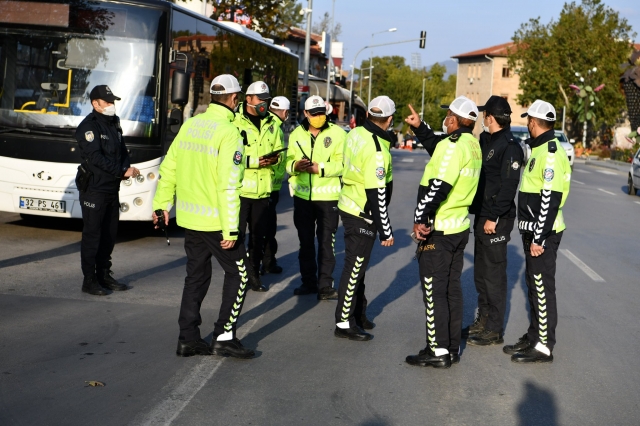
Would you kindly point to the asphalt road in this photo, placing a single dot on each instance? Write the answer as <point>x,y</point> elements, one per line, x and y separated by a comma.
<point>53,338</point>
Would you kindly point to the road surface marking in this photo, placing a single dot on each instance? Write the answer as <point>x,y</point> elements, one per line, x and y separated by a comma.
<point>577,181</point>
<point>580,264</point>
<point>606,192</point>
<point>608,172</point>
<point>165,412</point>
<point>637,202</point>
<point>407,160</point>
<point>581,171</point>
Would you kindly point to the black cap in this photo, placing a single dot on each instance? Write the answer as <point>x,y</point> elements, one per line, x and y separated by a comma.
<point>103,92</point>
<point>496,106</point>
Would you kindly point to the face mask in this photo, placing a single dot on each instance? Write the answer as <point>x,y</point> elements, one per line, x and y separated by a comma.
<point>444,126</point>
<point>390,125</point>
<point>318,121</point>
<point>261,108</point>
<point>485,128</point>
<point>110,110</point>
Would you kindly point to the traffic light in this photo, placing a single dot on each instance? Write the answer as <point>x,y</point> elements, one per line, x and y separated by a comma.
<point>423,39</point>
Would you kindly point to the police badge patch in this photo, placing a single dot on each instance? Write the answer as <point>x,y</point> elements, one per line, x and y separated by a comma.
<point>327,142</point>
<point>88,136</point>
<point>380,173</point>
<point>237,158</point>
<point>548,175</point>
<point>532,163</point>
<point>490,155</point>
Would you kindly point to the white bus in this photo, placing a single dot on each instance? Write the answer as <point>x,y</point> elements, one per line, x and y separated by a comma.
<point>158,57</point>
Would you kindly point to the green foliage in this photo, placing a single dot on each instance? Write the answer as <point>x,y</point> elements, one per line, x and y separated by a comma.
<point>585,36</point>
<point>392,77</point>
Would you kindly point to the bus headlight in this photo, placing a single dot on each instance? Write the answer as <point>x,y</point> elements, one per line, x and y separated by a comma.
<point>124,207</point>
<point>151,176</point>
<point>127,182</point>
<point>140,178</point>
<point>137,201</point>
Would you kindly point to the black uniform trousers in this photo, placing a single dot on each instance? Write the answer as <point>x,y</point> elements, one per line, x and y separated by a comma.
<point>441,258</point>
<point>540,275</point>
<point>270,242</point>
<point>316,219</point>
<point>255,214</point>
<point>199,247</point>
<point>100,214</point>
<point>490,270</point>
<point>359,238</point>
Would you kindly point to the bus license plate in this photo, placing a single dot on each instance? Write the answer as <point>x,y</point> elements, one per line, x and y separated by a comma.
<point>43,205</point>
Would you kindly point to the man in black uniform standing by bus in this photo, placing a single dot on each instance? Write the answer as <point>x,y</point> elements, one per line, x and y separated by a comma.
<point>105,163</point>
<point>495,212</point>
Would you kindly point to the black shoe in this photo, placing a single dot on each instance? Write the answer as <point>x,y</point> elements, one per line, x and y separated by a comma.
<point>523,344</point>
<point>254,281</point>
<point>270,268</point>
<point>426,358</point>
<point>327,293</point>
<point>531,355</point>
<point>92,286</point>
<point>194,347</point>
<point>455,358</point>
<point>364,323</point>
<point>477,327</point>
<point>486,338</point>
<point>353,333</point>
<point>231,348</point>
<point>305,289</point>
<point>106,280</point>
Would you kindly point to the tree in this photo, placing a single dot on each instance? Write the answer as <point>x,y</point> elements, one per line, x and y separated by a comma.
<point>324,25</point>
<point>394,78</point>
<point>269,17</point>
<point>585,36</point>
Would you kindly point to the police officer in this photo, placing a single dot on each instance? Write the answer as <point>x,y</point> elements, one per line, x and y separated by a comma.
<point>279,108</point>
<point>203,170</point>
<point>546,179</point>
<point>259,132</point>
<point>365,196</point>
<point>105,163</point>
<point>441,224</point>
<point>314,162</point>
<point>495,211</point>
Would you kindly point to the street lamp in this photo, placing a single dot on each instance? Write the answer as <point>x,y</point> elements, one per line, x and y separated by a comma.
<point>330,57</point>
<point>390,30</point>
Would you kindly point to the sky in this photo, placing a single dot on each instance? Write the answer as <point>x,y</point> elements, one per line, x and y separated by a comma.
<point>453,27</point>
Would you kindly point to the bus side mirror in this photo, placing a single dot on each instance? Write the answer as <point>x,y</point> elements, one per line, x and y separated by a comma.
<point>175,120</point>
<point>179,87</point>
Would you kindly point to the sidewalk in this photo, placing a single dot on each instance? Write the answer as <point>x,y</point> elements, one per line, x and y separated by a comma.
<point>608,164</point>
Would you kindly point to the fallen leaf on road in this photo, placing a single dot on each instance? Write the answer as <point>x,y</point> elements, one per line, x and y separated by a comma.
<point>94,383</point>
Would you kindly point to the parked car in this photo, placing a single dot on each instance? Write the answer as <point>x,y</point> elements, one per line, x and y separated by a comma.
<point>634,175</point>
<point>522,133</point>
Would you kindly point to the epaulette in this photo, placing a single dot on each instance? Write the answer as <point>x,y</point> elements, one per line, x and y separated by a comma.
<point>454,137</point>
<point>552,146</point>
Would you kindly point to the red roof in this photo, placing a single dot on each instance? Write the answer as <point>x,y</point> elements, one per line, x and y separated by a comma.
<point>499,50</point>
<point>636,46</point>
<point>300,33</point>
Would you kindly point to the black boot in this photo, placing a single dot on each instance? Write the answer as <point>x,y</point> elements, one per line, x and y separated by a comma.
<point>455,358</point>
<point>365,323</point>
<point>486,338</point>
<point>270,266</point>
<point>91,285</point>
<point>531,355</point>
<point>522,344</point>
<point>327,293</point>
<point>194,347</point>
<point>305,289</point>
<point>353,333</point>
<point>477,326</point>
<point>106,280</point>
<point>232,348</point>
<point>254,280</point>
<point>426,358</point>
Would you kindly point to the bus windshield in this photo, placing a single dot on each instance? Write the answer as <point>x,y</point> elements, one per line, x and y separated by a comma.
<point>51,59</point>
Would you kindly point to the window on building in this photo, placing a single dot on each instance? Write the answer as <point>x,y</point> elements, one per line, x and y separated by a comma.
<point>506,72</point>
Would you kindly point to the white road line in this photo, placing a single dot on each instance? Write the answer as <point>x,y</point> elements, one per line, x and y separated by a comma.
<point>580,264</point>
<point>607,172</point>
<point>181,395</point>
<point>407,160</point>
<point>577,181</point>
<point>637,202</point>
<point>606,192</point>
<point>581,171</point>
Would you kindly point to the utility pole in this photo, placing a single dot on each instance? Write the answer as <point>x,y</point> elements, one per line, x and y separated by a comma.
<point>330,61</point>
<point>307,44</point>
<point>390,30</point>
<point>422,108</point>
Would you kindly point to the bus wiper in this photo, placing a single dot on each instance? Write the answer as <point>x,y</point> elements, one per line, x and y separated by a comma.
<point>8,129</point>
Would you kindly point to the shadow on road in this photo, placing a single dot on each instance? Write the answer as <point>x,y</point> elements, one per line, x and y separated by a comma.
<point>538,407</point>
<point>625,190</point>
<point>43,255</point>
